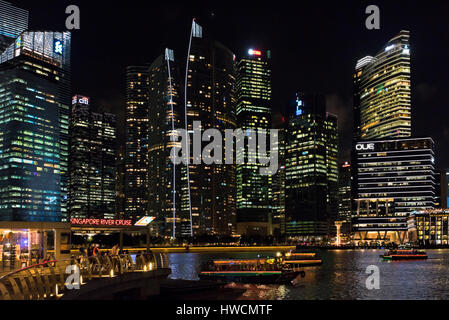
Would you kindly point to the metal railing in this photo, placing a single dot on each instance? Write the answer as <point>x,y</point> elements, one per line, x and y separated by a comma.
<point>47,280</point>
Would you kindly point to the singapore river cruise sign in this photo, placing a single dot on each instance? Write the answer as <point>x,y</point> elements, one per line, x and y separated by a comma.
<point>100,222</point>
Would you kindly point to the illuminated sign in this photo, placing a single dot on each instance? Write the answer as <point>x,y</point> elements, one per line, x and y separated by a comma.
<point>299,104</point>
<point>364,146</point>
<point>144,221</point>
<point>406,50</point>
<point>83,100</point>
<point>58,47</point>
<point>254,52</point>
<point>80,100</point>
<point>100,222</point>
<point>389,47</point>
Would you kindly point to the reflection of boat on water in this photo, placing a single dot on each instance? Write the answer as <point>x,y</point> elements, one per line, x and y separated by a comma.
<point>260,271</point>
<point>404,254</point>
<point>302,259</point>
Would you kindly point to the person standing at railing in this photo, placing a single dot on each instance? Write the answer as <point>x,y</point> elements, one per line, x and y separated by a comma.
<point>83,254</point>
<point>115,250</point>
<point>96,250</point>
<point>90,250</point>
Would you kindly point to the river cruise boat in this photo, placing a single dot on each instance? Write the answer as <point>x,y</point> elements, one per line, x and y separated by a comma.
<point>404,254</point>
<point>258,271</point>
<point>302,259</point>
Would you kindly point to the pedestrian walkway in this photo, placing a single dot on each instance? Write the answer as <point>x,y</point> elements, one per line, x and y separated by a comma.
<point>48,280</point>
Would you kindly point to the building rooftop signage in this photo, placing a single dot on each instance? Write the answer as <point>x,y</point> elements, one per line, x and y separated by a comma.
<point>144,221</point>
<point>253,52</point>
<point>100,222</point>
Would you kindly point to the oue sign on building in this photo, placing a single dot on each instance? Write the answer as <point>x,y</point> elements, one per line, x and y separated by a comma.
<point>364,146</point>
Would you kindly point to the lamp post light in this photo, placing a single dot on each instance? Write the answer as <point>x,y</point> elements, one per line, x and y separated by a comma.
<point>338,225</point>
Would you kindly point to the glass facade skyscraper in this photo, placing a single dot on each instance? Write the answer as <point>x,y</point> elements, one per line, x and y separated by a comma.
<point>392,179</point>
<point>393,173</point>
<point>34,123</point>
<point>136,143</point>
<point>165,117</point>
<point>13,21</point>
<point>277,183</point>
<point>209,190</point>
<point>344,192</point>
<point>382,97</point>
<point>91,162</point>
<point>253,94</point>
<point>311,172</point>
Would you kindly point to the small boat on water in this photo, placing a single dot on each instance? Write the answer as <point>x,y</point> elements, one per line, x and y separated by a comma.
<point>404,254</point>
<point>302,259</point>
<point>259,271</point>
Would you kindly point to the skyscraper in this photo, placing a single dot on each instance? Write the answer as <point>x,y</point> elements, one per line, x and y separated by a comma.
<point>165,115</point>
<point>277,184</point>
<point>392,178</point>
<point>209,190</point>
<point>253,109</point>
<point>34,123</point>
<point>382,99</point>
<point>120,183</point>
<point>136,144</point>
<point>344,192</point>
<point>91,161</point>
<point>311,171</point>
<point>13,21</point>
<point>440,189</point>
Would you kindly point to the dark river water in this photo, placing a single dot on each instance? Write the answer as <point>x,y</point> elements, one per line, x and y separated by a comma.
<point>341,276</point>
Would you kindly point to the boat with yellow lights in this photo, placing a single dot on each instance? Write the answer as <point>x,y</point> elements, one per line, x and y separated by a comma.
<point>302,259</point>
<point>260,271</point>
<point>404,254</point>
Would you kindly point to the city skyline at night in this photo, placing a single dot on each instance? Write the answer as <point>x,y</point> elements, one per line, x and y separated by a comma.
<point>296,64</point>
<point>240,93</point>
<point>226,151</point>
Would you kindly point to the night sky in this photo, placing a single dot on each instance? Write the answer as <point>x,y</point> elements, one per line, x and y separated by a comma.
<point>315,46</point>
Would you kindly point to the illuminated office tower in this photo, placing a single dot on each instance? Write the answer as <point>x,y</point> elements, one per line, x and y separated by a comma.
<point>278,179</point>
<point>165,115</point>
<point>311,172</point>
<point>13,21</point>
<point>447,187</point>
<point>344,192</point>
<point>440,189</point>
<point>382,99</point>
<point>120,183</point>
<point>91,162</point>
<point>209,190</point>
<point>136,143</point>
<point>34,123</point>
<point>392,178</point>
<point>253,109</point>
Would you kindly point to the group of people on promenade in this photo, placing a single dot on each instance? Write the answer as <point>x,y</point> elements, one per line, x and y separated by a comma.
<point>94,251</point>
